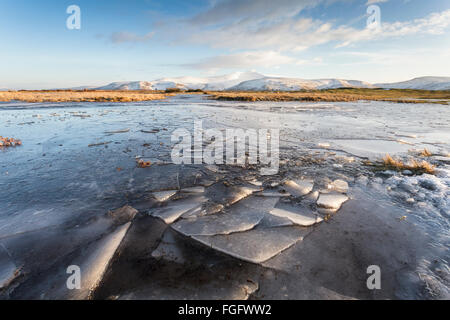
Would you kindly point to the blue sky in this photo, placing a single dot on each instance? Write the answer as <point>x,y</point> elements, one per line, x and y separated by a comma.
<point>148,39</point>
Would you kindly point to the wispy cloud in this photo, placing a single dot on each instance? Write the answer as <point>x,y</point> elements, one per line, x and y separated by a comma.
<point>369,2</point>
<point>266,33</point>
<point>294,34</point>
<point>124,36</point>
<point>226,11</point>
<point>243,60</point>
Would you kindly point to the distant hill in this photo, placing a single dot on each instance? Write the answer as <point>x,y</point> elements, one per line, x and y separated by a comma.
<point>422,83</point>
<point>216,83</point>
<point>293,84</point>
<point>252,81</point>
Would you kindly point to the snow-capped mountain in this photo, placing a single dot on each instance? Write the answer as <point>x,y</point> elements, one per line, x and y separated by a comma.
<point>252,81</point>
<point>292,84</point>
<point>132,85</point>
<point>422,83</point>
<point>216,83</point>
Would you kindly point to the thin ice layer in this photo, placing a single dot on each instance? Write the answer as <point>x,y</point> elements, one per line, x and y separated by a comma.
<point>257,245</point>
<point>299,188</point>
<point>172,212</point>
<point>301,216</point>
<point>243,216</point>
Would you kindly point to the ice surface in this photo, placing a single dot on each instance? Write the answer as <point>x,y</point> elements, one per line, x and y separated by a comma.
<point>331,201</point>
<point>339,186</point>
<point>7,268</point>
<point>272,193</point>
<point>375,148</point>
<point>95,264</point>
<point>55,178</point>
<point>301,216</point>
<point>168,249</point>
<point>299,188</point>
<point>162,196</point>
<point>123,215</point>
<point>193,190</point>
<point>271,221</point>
<point>235,194</point>
<point>176,209</point>
<point>244,215</point>
<point>257,245</point>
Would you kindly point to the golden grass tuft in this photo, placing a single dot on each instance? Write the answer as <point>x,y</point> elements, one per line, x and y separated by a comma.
<point>9,142</point>
<point>426,153</point>
<point>417,167</point>
<point>143,164</point>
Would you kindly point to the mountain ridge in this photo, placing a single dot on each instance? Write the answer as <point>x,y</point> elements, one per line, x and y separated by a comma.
<point>252,81</point>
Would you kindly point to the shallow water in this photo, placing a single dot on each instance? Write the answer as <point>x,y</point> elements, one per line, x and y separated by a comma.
<point>78,160</point>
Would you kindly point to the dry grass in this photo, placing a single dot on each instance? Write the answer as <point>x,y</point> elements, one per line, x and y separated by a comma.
<point>9,142</point>
<point>339,95</point>
<point>417,167</point>
<point>143,164</point>
<point>426,153</point>
<point>81,96</point>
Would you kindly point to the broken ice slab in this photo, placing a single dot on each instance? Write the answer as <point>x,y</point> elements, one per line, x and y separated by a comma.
<point>301,216</point>
<point>243,216</point>
<point>118,131</point>
<point>8,270</point>
<point>208,208</point>
<point>236,194</point>
<point>272,193</point>
<point>299,188</point>
<point>332,201</point>
<point>325,145</point>
<point>176,209</point>
<point>123,215</point>
<point>212,208</point>
<point>256,183</point>
<point>257,245</point>
<point>162,196</point>
<point>339,186</point>
<point>98,259</point>
<point>206,182</point>
<point>271,221</point>
<point>198,189</point>
<point>215,169</point>
<point>168,249</point>
<point>312,196</point>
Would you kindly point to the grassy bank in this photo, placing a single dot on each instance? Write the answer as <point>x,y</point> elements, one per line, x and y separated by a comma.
<point>81,96</point>
<point>339,95</point>
<point>331,95</point>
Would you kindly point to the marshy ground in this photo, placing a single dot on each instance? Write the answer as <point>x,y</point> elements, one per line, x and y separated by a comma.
<point>329,95</point>
<point>340,95</point>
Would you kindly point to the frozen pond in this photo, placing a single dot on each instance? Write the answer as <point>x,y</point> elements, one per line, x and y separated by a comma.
<point>78,161</point>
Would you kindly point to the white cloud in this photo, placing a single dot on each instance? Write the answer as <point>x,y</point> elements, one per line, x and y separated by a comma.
<point>243,60</point>
<point>369,2</point>
<point>268,33</point>
<point>123,36</point>
<point>252,10</point>
<point>295,34</point>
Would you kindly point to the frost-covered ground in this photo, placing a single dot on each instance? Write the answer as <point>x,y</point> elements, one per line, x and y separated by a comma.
<point>222,231</point>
